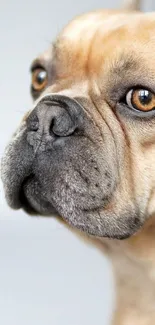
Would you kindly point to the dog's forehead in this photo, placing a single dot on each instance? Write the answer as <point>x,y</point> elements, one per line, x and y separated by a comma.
<point>103,26</point>
<point>97,37</point>
<point>87,23</point>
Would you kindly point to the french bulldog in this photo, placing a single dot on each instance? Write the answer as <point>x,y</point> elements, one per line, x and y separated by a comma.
<point>85,152</point>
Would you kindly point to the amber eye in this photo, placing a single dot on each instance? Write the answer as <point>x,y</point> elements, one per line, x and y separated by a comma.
<point>39,79</point>
<point>141,99</point>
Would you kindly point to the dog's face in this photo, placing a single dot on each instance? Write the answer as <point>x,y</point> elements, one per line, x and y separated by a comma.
<point>86,151</point>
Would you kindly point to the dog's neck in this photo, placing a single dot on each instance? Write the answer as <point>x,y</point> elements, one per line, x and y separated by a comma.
<point>134,268</point>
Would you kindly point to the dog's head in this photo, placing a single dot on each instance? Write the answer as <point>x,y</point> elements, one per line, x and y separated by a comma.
<point>86,150</point>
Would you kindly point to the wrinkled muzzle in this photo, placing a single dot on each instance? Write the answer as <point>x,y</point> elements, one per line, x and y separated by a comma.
<point>59,163</point>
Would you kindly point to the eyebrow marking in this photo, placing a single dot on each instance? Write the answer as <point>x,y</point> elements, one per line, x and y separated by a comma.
<point>37,63</point>
<point>44,60</point>
<point>124,64</point>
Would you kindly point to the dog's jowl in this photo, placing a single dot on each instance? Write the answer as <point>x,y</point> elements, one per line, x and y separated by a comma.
<point>85,152</point>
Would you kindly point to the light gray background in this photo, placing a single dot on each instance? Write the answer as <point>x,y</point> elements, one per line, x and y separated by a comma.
<point>47,275</point>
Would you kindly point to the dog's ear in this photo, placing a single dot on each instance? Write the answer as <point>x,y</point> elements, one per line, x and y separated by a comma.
<point>132,4</point>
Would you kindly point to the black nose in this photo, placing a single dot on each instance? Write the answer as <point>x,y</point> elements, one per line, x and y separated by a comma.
<point>55,115</point>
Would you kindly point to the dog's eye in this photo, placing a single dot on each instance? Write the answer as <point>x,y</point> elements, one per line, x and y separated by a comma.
<point>39,79</point>
<point>140,99</point>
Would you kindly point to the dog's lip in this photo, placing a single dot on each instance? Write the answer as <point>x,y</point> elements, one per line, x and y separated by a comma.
<point>24,202</point>
<point>30,204</point>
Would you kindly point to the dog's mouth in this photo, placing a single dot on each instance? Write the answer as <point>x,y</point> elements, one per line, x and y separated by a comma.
<point>83,204</point>
<point>31,199</point>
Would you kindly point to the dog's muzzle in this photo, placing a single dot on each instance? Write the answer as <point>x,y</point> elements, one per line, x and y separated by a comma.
<point>59,162</point>
<point>54,160</point>
<point>54,118</point>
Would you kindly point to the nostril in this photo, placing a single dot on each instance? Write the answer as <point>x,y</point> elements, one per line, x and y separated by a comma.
<point>51,132</point>
<point>34,126</point>
<point>33,123</point>
<point>61,125</point>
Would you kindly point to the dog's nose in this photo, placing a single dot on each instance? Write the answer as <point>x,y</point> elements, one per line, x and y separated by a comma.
<point>55,115</point>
